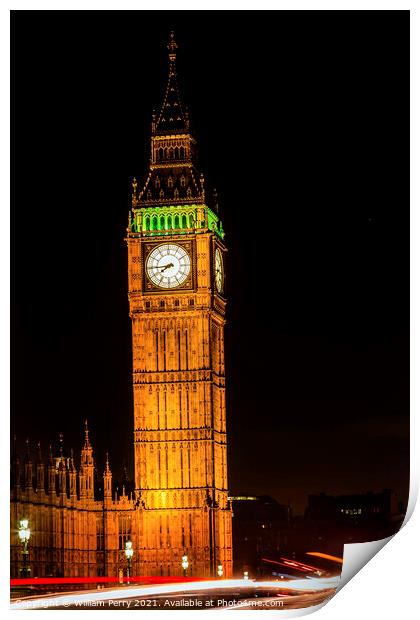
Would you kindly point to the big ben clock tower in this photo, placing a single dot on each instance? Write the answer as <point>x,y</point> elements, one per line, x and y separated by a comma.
<point>176,279</point>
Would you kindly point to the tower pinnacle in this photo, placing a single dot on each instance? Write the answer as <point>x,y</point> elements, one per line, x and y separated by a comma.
<point>87,440</point>
<point>172,47</point>
<point>172,117</point>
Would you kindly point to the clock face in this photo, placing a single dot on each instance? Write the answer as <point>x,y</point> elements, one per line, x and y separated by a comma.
<point>218,270</point>
<point>168,265</point>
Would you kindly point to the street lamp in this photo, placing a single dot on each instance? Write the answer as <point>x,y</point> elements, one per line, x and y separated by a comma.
<point>185,564</point>
<point>220,570</point>
<point>24,535</point>
<point>129,552</point>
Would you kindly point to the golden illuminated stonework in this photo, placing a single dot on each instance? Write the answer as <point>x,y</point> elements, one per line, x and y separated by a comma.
<point>177,301</point>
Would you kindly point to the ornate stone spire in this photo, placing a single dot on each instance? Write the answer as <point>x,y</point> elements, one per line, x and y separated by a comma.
<point>173,117</point>
<point>87,445</point>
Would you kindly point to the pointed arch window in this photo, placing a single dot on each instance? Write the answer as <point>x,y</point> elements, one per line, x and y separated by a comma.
<point>170,181</point>
<point>176,193</point>
<point>182,153</point>
<point>157,182</point>
<point>161,193</point>
<point>189,192</point>
<point>182,180</point>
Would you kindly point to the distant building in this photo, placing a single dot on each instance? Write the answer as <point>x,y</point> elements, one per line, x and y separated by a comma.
<point>353,509</point>
<point>259,528</point>
<point>351,518</point>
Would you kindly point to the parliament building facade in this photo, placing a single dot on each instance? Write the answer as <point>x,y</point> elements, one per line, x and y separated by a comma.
<point>176,285</point>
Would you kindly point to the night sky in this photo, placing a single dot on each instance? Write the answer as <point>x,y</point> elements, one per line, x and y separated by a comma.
<point>303,127</point>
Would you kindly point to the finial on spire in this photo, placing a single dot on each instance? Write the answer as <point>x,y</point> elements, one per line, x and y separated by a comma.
<point>134,192</point>
<point>87,442</point>
<point>61,438</point>
<point>172,47</point>
<point>107,468</point>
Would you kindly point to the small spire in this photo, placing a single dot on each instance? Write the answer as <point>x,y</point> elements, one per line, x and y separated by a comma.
<point>87,441</point>
<point>172,47</point>
<point>39,451</point>
<point>107,469</point>
<point>61,449</point>
<point>28,452</point>
<point>134,193</point>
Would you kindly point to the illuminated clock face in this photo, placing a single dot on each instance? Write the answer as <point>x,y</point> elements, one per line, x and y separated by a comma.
<point>168,265</point>
<point>218,270</point>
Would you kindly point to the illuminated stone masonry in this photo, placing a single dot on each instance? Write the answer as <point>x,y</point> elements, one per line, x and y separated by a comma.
<point>177,308</point>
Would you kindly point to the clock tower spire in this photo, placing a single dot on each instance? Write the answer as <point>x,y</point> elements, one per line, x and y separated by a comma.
<point>176,256</point>
<point>173,172</point>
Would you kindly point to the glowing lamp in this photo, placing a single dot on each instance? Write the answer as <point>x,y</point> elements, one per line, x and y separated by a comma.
<point>185,564</point>
<point>24,532</point>
<point>129,551</point>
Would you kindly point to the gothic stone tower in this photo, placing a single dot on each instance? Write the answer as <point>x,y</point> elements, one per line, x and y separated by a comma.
<point>176,259</point>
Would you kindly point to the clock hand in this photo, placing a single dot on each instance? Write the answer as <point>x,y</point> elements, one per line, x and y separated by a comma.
<point>162,269</point>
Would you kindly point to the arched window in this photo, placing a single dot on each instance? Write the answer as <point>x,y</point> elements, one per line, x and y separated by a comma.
<point>146,223</point>
<point>184,221</point>
<point>176,193</point>
<point>182,153</point>
<point>161,153</point>
<point>171,153</point>
<point>161,193</point>
<point>176,222</point>
<point>176,152</point>
<point>154,223</point>
<point>170,181</point>
<point>162,222</point>
<point>182,181</point>
<point>189,192</point>
<point>157,182</point>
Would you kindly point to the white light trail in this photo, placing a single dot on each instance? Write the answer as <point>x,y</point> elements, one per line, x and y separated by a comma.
<point>68,600</point>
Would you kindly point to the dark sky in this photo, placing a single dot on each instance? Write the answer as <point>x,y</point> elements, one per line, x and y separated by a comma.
<point>302,124</point>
